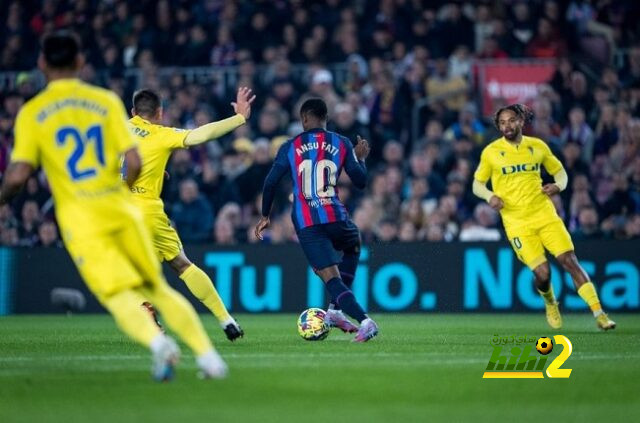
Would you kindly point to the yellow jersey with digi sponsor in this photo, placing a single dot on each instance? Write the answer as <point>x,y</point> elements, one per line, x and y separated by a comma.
<point>514,171</point>
<point>156,143</point>
<point>77,133</point>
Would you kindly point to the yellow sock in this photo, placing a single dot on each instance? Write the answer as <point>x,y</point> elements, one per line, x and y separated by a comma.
<point>133,320</point>
<point>202,287</point>
<point>179,315</point>
<point>549,297</point>
<point>588,293</point>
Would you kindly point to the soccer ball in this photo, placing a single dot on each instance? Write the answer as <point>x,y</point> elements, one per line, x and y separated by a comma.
<point>544,345</point>
<point>311,325</point>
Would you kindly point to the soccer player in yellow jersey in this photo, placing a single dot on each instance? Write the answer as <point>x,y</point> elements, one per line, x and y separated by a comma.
<point>513,163</point>
<point>157,142</point>
<point>77,133</point>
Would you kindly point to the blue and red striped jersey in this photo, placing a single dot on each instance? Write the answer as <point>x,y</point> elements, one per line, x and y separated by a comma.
<point>315,159</point>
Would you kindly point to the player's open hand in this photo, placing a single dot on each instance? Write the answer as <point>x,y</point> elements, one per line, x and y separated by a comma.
<point>496,203</point>
<point>362,148</point>
<point>263,223</point>
<point>550,189</point>
<point>242,105</point>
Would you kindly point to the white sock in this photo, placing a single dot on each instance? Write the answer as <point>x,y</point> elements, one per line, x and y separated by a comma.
<point>228,321</point>
<point>158,342</point>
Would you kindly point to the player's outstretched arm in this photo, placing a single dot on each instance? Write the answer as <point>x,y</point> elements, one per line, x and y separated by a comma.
<point>210,131</point>
<point>354,164</point>
<point>480,190</point>
<point>14,179</point>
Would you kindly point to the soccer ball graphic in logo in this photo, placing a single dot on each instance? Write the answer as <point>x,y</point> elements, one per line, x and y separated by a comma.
<point>311,325</point>
<point>544,345</point>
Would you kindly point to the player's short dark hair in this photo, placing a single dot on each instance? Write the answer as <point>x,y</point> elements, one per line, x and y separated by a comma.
<point>146,102</point>
<point>60,48</point>
<point>315,107</point>
<point>522,111</point>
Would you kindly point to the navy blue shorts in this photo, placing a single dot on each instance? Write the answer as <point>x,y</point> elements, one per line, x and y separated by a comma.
<point>323,244</point>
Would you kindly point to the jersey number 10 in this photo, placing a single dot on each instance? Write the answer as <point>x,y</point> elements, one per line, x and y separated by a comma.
<point>325,174</point>
<point>93,134</point>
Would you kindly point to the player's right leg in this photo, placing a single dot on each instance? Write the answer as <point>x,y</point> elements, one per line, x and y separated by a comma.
<point>169,248</point>
<point>529,249</point>
<point>176,310</point>
<point>111,277</point>
<point>203,289</point>
<point>543,284</point>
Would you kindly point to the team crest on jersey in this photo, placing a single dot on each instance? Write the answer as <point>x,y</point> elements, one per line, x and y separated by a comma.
<point>502,153</point>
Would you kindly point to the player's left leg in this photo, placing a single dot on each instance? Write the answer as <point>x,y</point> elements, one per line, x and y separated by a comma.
<point>176,310</point>
<point>557,240</point>
<point>346,238</point>
<point>203,289</point>
<point>528,248</point>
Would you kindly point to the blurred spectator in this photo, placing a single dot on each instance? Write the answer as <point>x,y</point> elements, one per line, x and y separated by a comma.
<point>452,88</point>
<point>547,43</point>
<point>29,222</point>
<point>588,227</point>
<point>468,125</point>
<point>483,225</point>
<point>620,203</point>
<point>48,235</point>
<point>192,214</point>
<point>578,131</point>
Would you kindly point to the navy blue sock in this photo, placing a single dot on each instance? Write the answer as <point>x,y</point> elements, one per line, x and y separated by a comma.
<point>347,270</point>
<point>343,297</point>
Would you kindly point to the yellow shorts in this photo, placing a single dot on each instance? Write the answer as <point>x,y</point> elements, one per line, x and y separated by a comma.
<point>117,260</point>
<point>164,237</point>
<point>529,242</point>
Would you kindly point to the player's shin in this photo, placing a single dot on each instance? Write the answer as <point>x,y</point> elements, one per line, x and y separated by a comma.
<point>347,270</point>
<point>180,317</point>
<point>132,319</point>
<point>588,293</point>
<point>342,296</point>
<point>203,289</point>
<point>548,296</point>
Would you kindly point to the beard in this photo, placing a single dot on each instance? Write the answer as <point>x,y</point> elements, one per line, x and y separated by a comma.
<point>511,135</point>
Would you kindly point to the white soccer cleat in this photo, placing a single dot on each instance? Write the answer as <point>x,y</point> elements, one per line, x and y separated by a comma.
<point>165,358</point>
<point>368,330</point>
<point>212,366</point>
<point>337,319</point>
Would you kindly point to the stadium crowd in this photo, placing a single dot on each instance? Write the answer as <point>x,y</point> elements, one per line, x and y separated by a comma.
<point>395,52</point>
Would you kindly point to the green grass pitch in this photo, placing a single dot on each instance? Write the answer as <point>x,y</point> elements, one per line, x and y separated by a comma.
<point>421,368</point>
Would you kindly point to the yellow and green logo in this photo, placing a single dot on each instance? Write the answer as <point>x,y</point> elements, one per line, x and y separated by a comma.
<point>522,362</point>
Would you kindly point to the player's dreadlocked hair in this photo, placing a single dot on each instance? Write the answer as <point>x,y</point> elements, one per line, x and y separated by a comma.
<point>522,111</point>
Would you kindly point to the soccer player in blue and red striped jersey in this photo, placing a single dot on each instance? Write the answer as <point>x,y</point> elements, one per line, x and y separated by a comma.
<point>330,240</point>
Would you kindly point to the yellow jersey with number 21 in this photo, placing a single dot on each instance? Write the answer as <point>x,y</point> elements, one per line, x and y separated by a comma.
<point>77,133</point>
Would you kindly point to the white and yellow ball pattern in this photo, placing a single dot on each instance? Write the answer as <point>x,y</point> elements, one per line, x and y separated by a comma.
<point>311,325</point>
